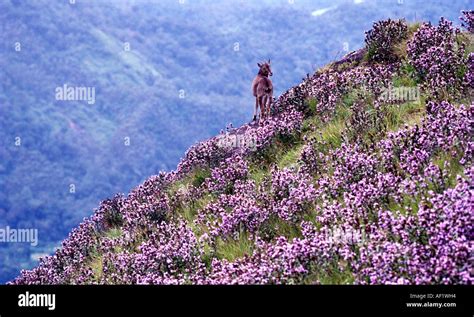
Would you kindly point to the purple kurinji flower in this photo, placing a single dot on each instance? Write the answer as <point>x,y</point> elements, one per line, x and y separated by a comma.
<point>438,58</point>
<point>467,19</point>
<point>381,39</point>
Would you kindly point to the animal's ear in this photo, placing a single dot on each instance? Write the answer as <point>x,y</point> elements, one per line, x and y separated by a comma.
<point>268,61</point>
<point>259,65</point>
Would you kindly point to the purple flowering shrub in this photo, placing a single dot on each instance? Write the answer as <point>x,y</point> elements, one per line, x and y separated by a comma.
<point>381,39</point>
<point>349,164</point>
<point>210,153</point>
<point>327,87</point>
<point>438,58</point>
<point>356,232</point>
<point>233,213</point>
<point>313,155</point>
<point>109,212</point>
<point>145,205</point>
<point>446,129</point>
<point>170,255</point>
<point>469,80</point>
<point>184,196</point>
<point>467,20</point>
<point>224,176</point>
<point>206,153</point>
<point>292,194</point>
<point>271,263</point>
<point>433,247</point>
<point>366,123</point>
<point>66,265</point>
<point>293,98</point>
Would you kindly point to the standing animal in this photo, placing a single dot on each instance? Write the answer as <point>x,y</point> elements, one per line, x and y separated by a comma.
<point>262,89</point>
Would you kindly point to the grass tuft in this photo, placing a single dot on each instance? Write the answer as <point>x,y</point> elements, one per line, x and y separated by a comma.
<point>233,249</point>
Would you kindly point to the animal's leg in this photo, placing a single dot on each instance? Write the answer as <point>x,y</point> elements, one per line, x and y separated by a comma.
<point>260,103</point>
<point>265,106</point>
<point>256,108</point>
<point>268,101</point>
<point>269,105</point>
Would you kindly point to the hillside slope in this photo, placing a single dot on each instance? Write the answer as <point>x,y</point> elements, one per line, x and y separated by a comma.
<point>363,174</point>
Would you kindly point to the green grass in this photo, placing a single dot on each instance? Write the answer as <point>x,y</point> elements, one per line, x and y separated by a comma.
<point>257,174</point>
<point>412,28</point>
<point>310,124</point>
<point>275,150</point>
<point>468,40</point>
<point>336,277</point>
<point>234,249</point>
<point>114,233</point>
<point>470,45</point>
<point>312,103</point>
<point>96,265</point>
<point>287,154</point>
<point>406,78</point>
<point>286,229</point>
<point>200,176</point>
<point>407,113</point>
<point>177,185</point>
<point>332,275</point>
<point>195,178</point>
<point>408,202</point>
<point>400,49</point>
<point>190,211</point>
<point>454,169</point>
<point>290,157</point>
<point>331,132</point>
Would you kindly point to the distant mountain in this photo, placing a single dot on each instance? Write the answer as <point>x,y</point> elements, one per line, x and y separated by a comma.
<point>165,75</point>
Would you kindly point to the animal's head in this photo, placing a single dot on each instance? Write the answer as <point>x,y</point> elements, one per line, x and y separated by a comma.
<point>265,69</point>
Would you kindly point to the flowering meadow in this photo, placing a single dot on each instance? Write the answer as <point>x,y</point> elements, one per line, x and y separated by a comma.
<point>339,187</point>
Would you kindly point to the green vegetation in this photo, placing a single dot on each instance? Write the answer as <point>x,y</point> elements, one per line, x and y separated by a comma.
<point>331,275</point>
<point>233,249</point>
